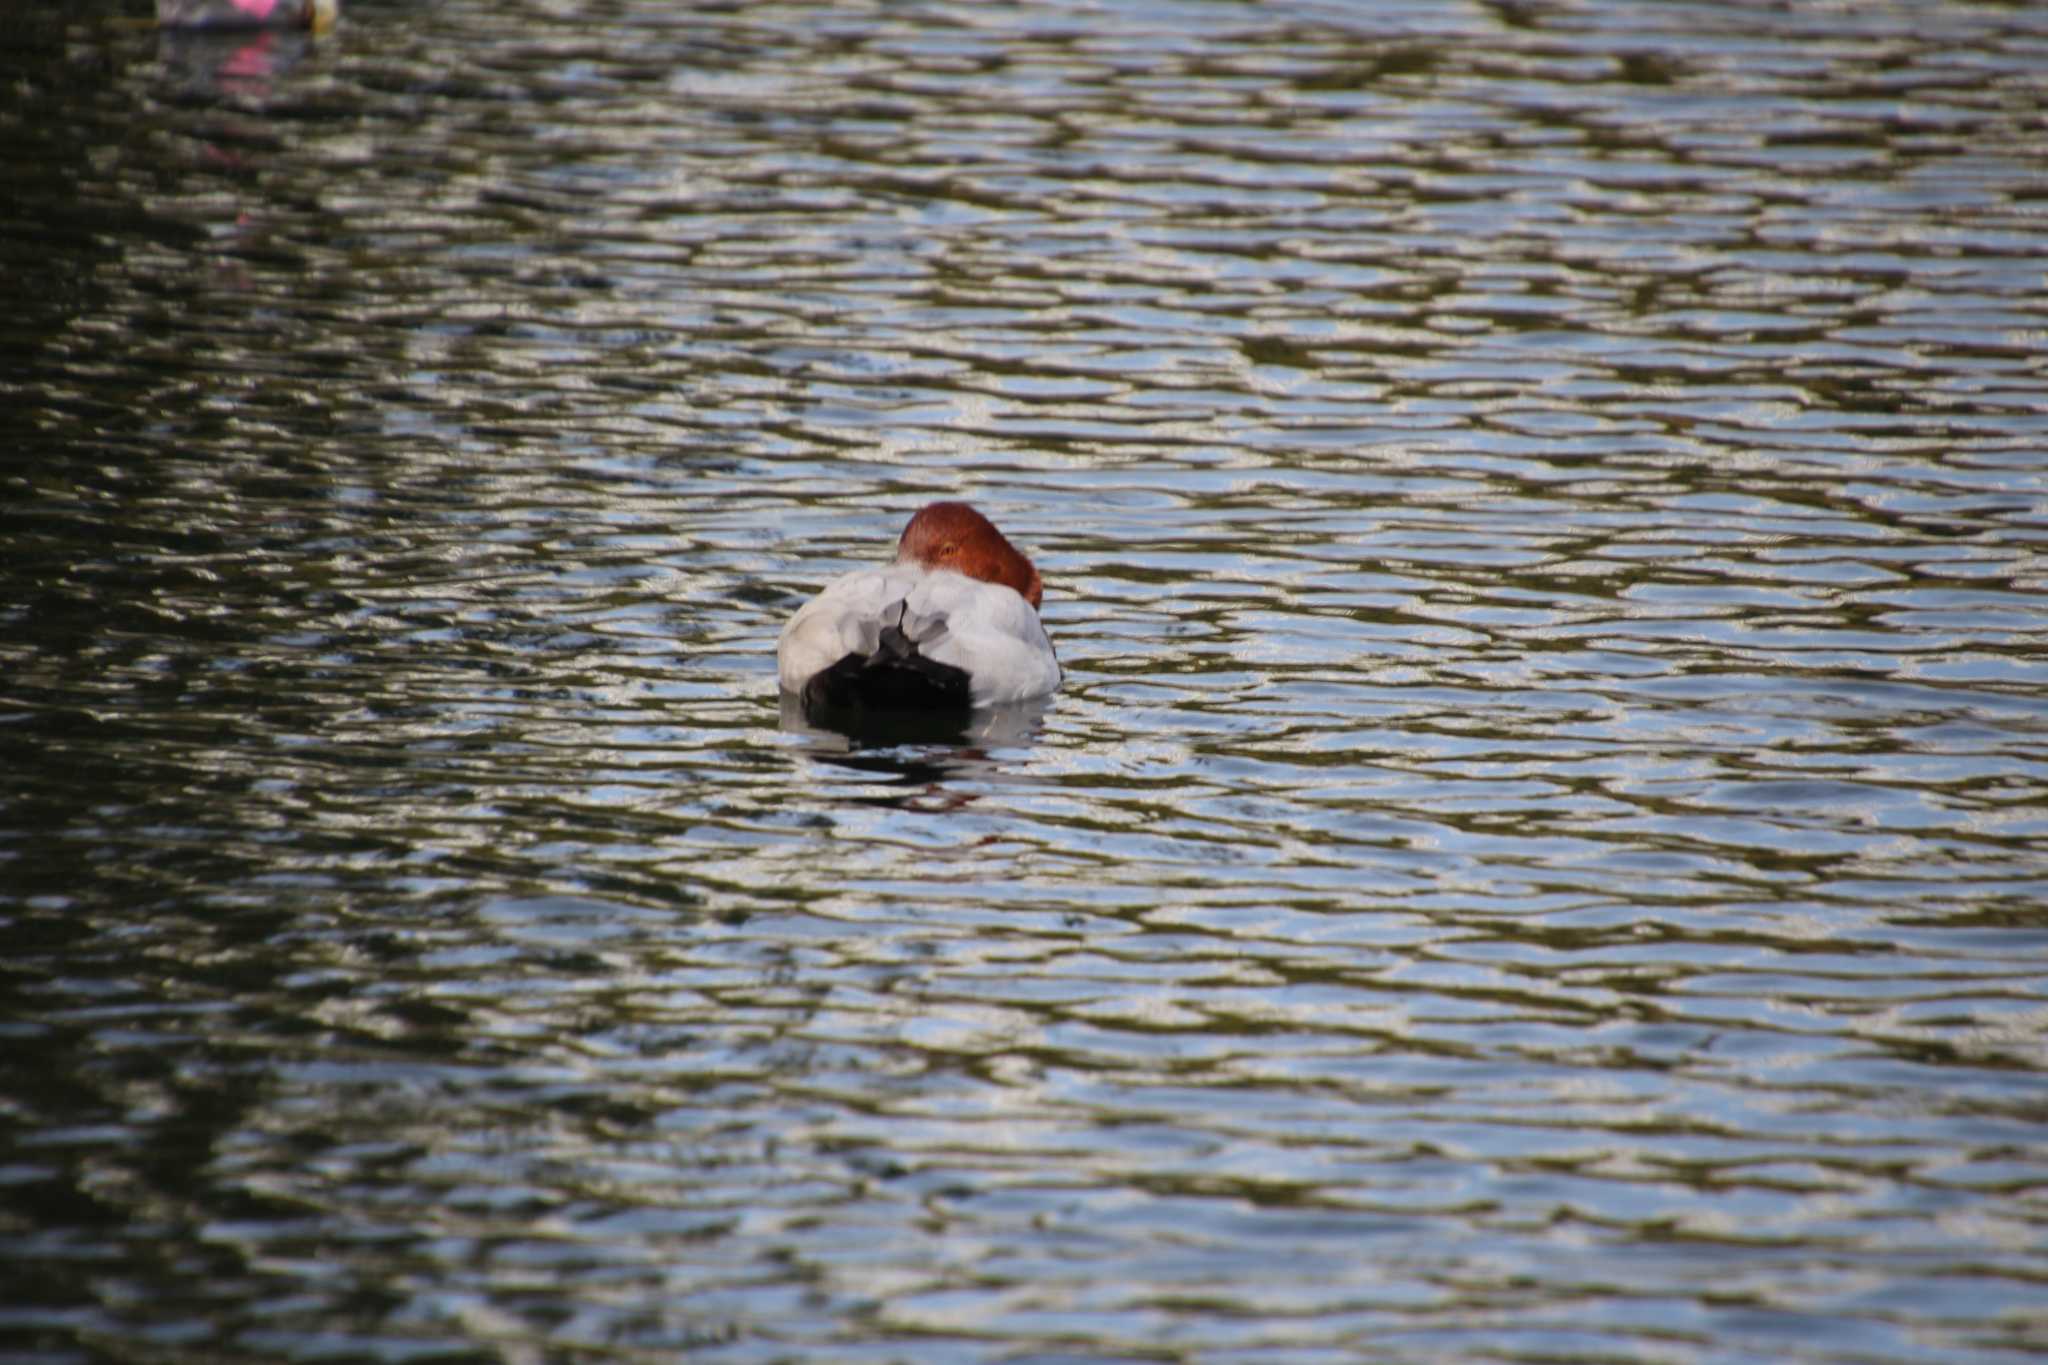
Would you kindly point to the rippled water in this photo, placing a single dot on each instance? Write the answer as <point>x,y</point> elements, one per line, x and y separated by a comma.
<point>1542,852</point>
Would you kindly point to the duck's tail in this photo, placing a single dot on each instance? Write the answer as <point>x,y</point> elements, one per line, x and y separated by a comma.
<point>892,672</point>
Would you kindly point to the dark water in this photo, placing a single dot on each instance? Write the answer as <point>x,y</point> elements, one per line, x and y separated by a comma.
<point>1542,853</point>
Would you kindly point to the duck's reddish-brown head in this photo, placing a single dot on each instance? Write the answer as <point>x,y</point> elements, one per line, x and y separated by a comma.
<point>952,535</point>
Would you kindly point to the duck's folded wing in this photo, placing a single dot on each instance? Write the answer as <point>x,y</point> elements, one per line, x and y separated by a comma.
<point>846,618</point>
<point>992,634</point>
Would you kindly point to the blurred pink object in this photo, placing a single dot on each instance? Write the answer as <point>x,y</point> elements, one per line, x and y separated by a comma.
<point>312,14</point>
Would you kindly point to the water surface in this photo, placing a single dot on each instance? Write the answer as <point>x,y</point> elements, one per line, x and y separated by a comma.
<point>1539,855</point>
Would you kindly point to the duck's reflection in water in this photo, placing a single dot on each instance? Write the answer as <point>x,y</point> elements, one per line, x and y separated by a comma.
<point>918,754</point>
<point>240,66</point>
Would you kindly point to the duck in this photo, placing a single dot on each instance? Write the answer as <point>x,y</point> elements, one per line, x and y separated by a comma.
<point>950,625</point>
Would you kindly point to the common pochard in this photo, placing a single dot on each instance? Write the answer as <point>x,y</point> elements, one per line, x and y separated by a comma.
<point>951,624</point>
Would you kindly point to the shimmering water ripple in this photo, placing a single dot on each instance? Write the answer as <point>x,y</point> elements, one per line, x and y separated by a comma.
<point>1539,855</point>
